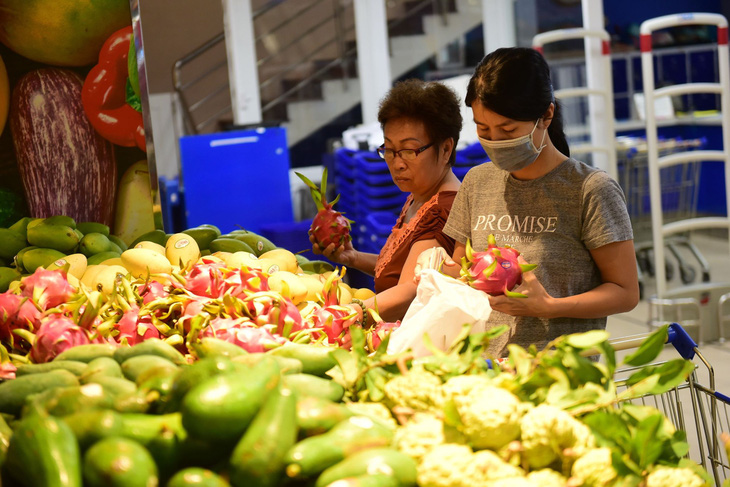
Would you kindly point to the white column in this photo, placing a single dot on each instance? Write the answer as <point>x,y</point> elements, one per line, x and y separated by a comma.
<point>242,68</point>
<point>598,77</point>
<point>373,56</point>
<point>498,24</point>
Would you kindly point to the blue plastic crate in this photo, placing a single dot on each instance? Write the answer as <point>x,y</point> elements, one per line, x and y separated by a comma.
<point>370,162</point>
<point>374,179</point>
<point>381,222</point>
<point>375,204</point>
<point>384,191</point>
<point>460,172</point>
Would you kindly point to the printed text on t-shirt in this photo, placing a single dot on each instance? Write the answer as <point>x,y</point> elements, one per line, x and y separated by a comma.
<point>513,223</point>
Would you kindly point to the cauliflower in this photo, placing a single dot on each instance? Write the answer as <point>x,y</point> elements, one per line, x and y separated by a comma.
<point>490,416</point>
<point>547,477</point>
<point>594,468</point>
<point>419,390</point>
<point>511,482</point>
<point>446,466</point>
<point>417,437</point>
<point>674,477</point>
<point>487,466</point>
<point>373,410</point>
<point>547,431</point>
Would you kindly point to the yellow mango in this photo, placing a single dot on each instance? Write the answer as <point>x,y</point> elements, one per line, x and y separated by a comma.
<point>223,256</point>
<point>314,286</point>
<point>287,260</point>
<point>344,294</point>
<point>142,262</point>
<point>269,266</point>
<point>241,259</point>
<point>90,274</point>
<point>363,293</point>
<point>182,250</point>
<point>113,261</point>
<point>288,285</point>
<point>145,244</point>
<point>105,279</point>
<point>77,265</point>
<point>209,258</point>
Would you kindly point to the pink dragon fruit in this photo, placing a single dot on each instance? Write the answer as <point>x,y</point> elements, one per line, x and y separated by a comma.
<point>205,280</point>
<point>152,290</point>
<point>332,316</point>
<point>56,334</point>
<point>240,332</point>
<point>242,281</point>
<point>47,289</point>
<point>17,312</point>
<point>377,333</point>
<point>328,226</point>
<point>495,271</point>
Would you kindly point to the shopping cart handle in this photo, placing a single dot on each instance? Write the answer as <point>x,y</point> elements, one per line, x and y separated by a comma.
<point>682,342</point>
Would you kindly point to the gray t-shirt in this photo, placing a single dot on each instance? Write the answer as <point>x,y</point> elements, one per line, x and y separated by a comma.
<point>554,221</point>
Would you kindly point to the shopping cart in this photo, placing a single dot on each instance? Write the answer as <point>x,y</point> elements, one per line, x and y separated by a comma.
<point>698,410</point>
<point>680,184</point>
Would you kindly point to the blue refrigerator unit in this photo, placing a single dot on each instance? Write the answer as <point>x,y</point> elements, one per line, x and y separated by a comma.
<point>236,179</point>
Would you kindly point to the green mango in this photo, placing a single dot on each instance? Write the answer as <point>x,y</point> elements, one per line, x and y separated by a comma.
<point>94,243</point>
<point>40,257</point>
<point>11,242</point>
<point>7,275</point>
<point>60,220</point>
<point>203,236</point>
<point>52,236</point>
<point>258,243</point>
<point>92,227</point>
<point>119,242</point>
<point>101,257</point>
<point>19,258</point>
<point>156,236</point>
<point>103,459</point>
<point>21,226</point>
<point>223,244</point>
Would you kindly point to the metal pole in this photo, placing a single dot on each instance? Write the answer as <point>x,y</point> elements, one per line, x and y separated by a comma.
<point>242,68</point>
<point>373,59</point>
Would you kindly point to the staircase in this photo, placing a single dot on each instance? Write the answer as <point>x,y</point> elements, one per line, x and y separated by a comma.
<point>307,60</point>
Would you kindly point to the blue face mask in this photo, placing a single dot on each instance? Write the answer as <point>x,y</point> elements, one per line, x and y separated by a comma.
<point>513,154</point>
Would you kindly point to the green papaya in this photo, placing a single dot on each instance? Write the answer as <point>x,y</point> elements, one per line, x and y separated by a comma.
<point>316,415</point>
<point>134,367</point>
<point>313,455</point>
<point>119,461</point>
<point>222,244</point>
<point>315,359</point>
<point>212,347</point>
<point>259,457</point>
<point>94,243</point>
<point>156,236</point>
<point>92,227</point>
<point>51,236</point>
<point>287,365</point>
<point>152,346</point>
<point>203,236</point>
<point>311,385</point>
<point>11,242</point>
<point>197,477</point>
<point>87,353</point>
<point>43,452</point>
<point>222,407</point>
<point>100,367</point>
<point>40,257</point>
<point>193,375</point>
<point>62,401</point>
<point>13,393</point>
<point>161,435</point>
<point>75,367</point>
<point>91,426</point>
<point>7,275</point>
<point>380,460</point>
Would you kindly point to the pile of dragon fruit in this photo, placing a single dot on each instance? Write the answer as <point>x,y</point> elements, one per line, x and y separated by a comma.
<point>46,315</point>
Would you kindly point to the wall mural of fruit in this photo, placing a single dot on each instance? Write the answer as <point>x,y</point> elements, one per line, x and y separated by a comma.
<point>4,95</point>
<point>60,32</point>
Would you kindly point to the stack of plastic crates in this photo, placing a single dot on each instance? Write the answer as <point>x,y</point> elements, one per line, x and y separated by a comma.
<point>679,185</point>
<point>468,157</point>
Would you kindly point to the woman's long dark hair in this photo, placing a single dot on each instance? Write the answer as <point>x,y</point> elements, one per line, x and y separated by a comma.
<point>515,83</point>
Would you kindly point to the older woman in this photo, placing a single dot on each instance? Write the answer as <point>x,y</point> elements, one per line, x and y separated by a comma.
<point>421,123</point>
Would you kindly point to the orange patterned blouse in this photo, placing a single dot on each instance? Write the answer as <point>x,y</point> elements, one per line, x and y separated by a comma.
<point>427,224</point>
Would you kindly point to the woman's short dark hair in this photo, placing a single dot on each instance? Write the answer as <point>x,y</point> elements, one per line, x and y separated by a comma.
<point>515,83</point>
<point>433,103</point>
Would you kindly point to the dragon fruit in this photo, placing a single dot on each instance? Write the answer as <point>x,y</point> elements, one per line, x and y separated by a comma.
<point>17,312</point>
<point>240,332</point>
<point>377,333</point>
<point>332,316</point>
<point>328,226</point>
<point>47,289</point>
<point>495,271</point>
<point>56,334</point>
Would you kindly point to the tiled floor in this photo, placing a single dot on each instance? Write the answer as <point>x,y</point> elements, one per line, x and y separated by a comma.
<point>717,251</point>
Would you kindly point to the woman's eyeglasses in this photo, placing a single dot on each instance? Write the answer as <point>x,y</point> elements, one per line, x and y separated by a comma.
<point>407,155</point>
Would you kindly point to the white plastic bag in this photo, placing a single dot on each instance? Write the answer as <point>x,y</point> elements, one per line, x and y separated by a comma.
<point>441,307</point>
